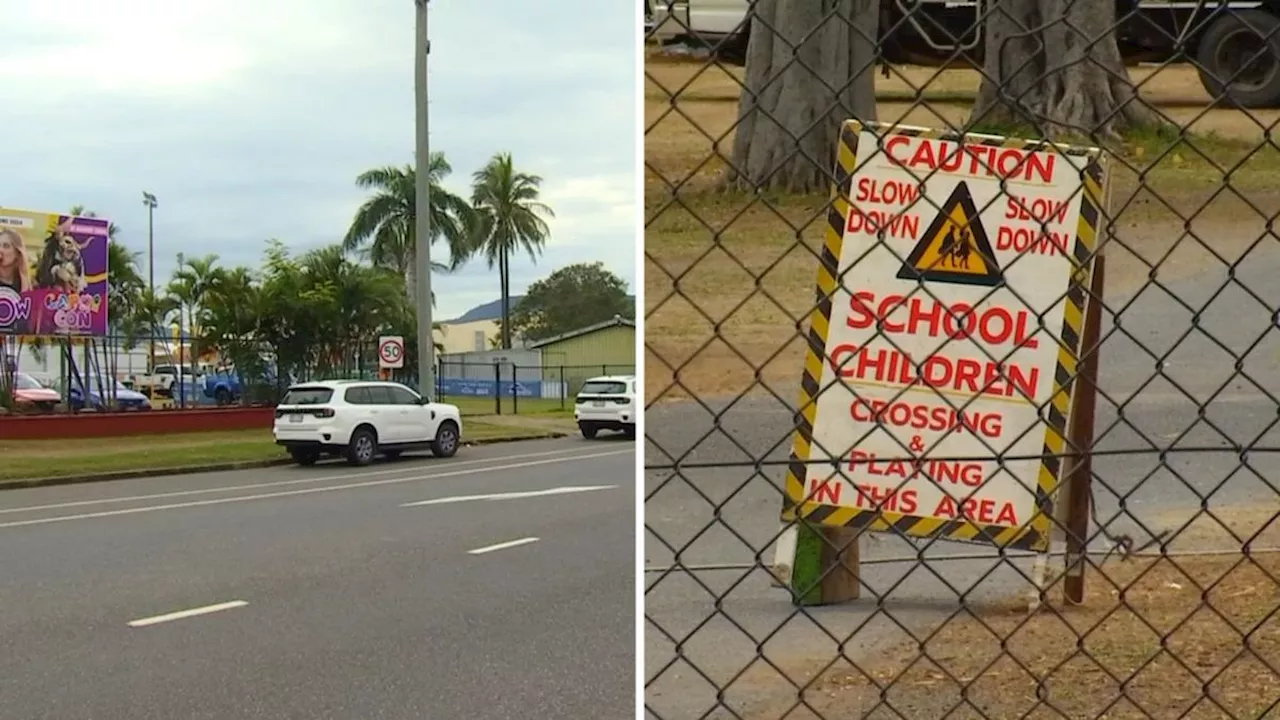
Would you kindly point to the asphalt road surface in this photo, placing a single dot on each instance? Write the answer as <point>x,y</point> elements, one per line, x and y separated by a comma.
<point>496,584</point>
<point>1189,377</point>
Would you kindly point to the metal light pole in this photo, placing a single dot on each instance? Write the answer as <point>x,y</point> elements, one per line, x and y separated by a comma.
<point>149,200</point>
<point>422,203</point>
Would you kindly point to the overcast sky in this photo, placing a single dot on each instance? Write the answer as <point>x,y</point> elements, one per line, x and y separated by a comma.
<point>251,119</point>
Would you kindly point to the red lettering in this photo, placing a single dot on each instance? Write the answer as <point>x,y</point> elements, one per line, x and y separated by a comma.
<point>888,499</point>
<point>958,321</point>
<point>1039,209</point>
<point>891,366</point>
<point>826,492</point>
<point>881,223</point>
<point>923,156</point>
<point>983,511</point>
<point>941,419</point>
<point>887,192</point>
<point>1032,240</point>
<point>970,474</point>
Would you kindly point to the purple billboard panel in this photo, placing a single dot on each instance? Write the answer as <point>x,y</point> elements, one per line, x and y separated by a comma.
<point>53,274</point>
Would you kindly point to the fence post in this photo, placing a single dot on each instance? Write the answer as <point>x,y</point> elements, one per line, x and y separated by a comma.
<point>515,394</point>
<point>1080,437</point>
<point>564,389</point>
<point>497,388</point>
<point>825,569</point>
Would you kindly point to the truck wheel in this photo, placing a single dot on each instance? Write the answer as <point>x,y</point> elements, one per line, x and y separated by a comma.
<point>1239,59</point>
<point>222,396</point>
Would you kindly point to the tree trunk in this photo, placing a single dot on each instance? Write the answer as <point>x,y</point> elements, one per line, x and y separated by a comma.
<point>410,274</point>
<point>1058,77</point>
<point>810,66</point>
<point>504,280</point>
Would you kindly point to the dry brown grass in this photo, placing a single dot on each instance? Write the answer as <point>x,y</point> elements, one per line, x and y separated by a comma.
<point>729,278</point>
<point>1195,639</point>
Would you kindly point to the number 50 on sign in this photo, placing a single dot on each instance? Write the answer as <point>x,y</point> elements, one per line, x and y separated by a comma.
<point>390,352</point>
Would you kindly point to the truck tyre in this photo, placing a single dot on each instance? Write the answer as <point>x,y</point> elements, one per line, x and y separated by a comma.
<point>1239,59</point>
<point>222,396</point>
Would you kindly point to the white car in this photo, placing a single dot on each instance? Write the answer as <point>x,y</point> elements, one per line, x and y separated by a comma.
<point>606,403</point>
<point>361,419</point>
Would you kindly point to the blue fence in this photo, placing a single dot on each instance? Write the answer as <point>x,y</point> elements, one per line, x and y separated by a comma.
<point>489,388</point>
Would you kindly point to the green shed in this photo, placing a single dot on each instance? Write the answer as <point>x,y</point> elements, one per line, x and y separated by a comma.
<point>606,348</point>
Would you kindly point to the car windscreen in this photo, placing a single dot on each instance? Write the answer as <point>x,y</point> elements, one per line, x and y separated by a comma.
<point>26,382</point>
<point>603,387</point>
<point>307,396</point>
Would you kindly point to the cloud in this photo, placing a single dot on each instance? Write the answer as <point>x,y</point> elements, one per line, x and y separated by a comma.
<point>250,120</point>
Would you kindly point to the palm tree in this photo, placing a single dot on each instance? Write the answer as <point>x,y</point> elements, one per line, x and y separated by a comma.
<point>507,219</point>
<point>192,281</point>
<point>386,221</point>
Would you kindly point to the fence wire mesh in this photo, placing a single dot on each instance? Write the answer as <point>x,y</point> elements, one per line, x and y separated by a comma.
<point>744,105</point>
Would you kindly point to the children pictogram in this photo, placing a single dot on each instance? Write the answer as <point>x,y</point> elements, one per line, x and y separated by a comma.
<point>955,248</point>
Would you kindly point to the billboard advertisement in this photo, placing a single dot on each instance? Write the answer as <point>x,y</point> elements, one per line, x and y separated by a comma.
<point>53,274</point>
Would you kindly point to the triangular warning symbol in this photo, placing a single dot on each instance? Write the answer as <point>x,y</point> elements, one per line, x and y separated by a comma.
<point>955,248</point>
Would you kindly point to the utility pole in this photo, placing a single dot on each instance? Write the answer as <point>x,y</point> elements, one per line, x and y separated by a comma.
<point>149,200</point>
<point>422,205</point>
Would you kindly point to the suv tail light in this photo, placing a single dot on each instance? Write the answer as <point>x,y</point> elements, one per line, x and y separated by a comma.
<point>323,412</point>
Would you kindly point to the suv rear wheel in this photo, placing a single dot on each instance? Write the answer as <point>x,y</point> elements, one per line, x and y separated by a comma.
<point>362,447</point>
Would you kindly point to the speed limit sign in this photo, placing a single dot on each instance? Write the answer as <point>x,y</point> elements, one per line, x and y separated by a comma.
<point>391,351</point>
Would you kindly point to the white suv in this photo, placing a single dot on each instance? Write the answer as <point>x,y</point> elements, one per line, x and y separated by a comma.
<point>361,419</point>
<point>606,403</point>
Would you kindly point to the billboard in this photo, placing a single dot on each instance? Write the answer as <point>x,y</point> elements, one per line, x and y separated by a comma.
<point>53,274</point>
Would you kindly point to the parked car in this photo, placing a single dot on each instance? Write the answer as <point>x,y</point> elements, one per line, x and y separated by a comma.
<point>125,399</point>
<point>29,395</point>
<point>361,419</point>
<point>606,403</point>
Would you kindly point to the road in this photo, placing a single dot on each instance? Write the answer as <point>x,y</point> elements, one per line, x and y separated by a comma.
<point>1188,364</point>
<point>327,592</point>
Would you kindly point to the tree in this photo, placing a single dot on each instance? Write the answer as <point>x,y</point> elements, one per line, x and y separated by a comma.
<point>1062,77</point>
<point>572,297</point>
<point>192,281</point>
<point>384,228</point>
<point>508,218</point>
<point>809,67</point>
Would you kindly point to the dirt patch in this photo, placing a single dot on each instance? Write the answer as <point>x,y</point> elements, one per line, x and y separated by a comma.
<point>729,278</point>
<point>1187,638</point>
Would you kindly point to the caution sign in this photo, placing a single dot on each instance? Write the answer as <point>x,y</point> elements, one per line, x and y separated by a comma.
<point>936,391</point>
<point>955,247</point>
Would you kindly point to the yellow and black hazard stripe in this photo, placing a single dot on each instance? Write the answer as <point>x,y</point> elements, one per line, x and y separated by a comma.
<point>1032,535</point>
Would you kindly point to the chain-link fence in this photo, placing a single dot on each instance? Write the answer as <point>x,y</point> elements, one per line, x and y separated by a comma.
<point>985,375</point>
<point>509,387</point>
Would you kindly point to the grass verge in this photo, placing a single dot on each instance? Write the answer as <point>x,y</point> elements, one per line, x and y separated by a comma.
<point>471,405</point>
<point>40,459</point>
<point>1192,638</point>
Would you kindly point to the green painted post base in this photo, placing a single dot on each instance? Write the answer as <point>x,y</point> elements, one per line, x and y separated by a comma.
<point>817,549</point>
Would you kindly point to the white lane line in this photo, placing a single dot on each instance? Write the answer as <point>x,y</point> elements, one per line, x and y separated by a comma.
<point>303,491</point>
<point>274,483</point>
<point>503,546</point>
<point>511,495</point>
<point>182,614</point>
